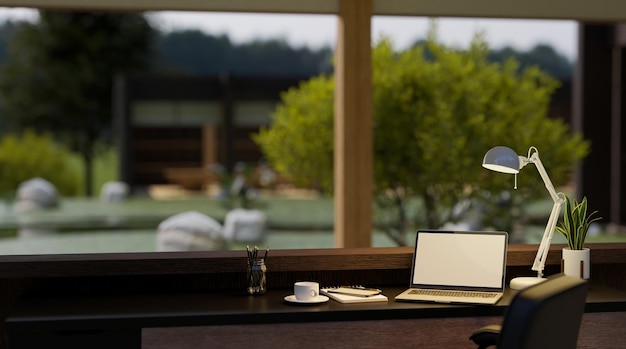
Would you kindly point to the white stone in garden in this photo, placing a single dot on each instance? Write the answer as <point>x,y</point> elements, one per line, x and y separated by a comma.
<point>189,231</point>
<point>114,191</point>
<point>243,225</point>
<point>34,194</point>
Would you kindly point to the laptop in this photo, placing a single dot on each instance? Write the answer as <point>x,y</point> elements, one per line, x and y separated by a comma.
<point>457,267</point>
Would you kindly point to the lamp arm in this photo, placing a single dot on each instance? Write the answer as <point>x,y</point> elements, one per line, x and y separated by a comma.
<point>544,175</point>
<point>558,198</point>
<point>546,240</point>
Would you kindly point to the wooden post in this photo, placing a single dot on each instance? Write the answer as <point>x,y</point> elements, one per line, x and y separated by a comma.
<point>353,126</point>
<point>209,145</point>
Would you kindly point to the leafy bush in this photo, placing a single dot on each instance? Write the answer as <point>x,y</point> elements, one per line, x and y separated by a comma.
<point>299,143</point>
<point>35,155</point>
<point>436,112</point>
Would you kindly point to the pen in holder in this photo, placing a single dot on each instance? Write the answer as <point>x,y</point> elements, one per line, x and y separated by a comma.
<point>256,281</point>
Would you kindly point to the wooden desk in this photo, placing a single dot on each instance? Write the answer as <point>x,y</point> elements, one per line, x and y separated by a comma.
<point>105,299</point>
<point>118,321</point>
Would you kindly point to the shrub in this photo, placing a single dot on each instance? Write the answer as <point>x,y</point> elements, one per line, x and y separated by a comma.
<point>32,155</point>
<point>436,112</point>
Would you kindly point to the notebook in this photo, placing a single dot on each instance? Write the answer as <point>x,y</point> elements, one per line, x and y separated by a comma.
<point>347,298</point>
<point>457,267</point>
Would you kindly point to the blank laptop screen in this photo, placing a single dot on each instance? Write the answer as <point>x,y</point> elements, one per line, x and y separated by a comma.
<point>459,259</point>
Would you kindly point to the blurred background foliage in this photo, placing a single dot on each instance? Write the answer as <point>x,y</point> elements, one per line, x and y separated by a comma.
<point>59,74</point>
<point>31,155</point>
<point>67,60</point>
<point>437,111</point>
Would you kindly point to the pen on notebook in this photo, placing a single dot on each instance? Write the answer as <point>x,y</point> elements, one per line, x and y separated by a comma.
<point>363,288</point>
<point>356,291</point>
<point>347,293</point>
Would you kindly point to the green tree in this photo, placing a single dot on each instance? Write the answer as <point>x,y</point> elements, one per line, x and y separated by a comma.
<point>541,55</point>
<point>6,33</point>
<point>59,75</point>
<point>435,116</point>
<point>195,52</point>
<point>299,143</point>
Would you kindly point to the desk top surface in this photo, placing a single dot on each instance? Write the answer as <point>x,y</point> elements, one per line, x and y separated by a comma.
<point>208,309</point>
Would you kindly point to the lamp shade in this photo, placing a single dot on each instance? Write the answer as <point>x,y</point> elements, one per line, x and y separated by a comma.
<point>502,159</point>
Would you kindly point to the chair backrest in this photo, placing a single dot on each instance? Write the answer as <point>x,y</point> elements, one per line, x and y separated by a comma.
<point>546,315</point>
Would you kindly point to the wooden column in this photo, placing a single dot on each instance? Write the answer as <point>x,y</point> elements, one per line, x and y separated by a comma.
<point>210,144</point>
<point>353,126</point>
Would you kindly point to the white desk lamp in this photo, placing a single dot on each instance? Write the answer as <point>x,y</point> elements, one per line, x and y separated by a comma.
<point>505,160</point>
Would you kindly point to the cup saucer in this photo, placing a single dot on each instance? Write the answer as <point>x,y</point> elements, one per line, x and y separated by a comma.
<point>319,299</point>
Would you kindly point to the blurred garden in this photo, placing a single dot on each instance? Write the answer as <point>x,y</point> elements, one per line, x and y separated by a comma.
<point>436,111</point>
<point>296,219</point>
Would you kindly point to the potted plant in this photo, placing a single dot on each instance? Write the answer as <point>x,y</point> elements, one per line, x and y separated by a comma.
<point>575,226</point>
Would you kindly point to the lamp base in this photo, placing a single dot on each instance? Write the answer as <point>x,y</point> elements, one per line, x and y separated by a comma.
<point>521,283</point>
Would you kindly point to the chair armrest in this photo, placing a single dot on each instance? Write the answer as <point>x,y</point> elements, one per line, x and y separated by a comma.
<point>486,336</point>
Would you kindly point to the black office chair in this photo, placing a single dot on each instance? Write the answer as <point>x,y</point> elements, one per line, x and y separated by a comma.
<point>546,315</point>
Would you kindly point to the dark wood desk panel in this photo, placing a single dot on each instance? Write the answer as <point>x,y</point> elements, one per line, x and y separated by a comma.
<point>438,333</point>
<point>598,331</point>
<point>217,308</point>
<point>56,320</point>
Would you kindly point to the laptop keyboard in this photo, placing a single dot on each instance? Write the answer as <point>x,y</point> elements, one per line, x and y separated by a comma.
<point>445,293</point>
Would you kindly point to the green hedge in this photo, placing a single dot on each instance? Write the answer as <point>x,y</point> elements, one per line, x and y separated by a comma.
<point>31,155</point>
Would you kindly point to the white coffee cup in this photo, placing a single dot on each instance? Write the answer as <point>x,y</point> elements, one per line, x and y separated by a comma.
<point>306,290</point>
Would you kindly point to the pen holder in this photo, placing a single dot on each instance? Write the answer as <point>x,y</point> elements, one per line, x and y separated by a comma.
<point>256,277</point>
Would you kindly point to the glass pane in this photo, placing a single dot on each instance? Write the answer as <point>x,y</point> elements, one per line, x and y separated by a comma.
<point>174,140</point>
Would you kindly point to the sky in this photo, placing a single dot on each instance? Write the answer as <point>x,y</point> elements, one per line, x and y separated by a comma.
<point>316,31</point>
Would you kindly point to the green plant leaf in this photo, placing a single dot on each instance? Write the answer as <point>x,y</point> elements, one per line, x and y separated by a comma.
<point>576,223</point>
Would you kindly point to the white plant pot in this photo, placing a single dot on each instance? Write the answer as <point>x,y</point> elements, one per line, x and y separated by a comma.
<point>576,262</point>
